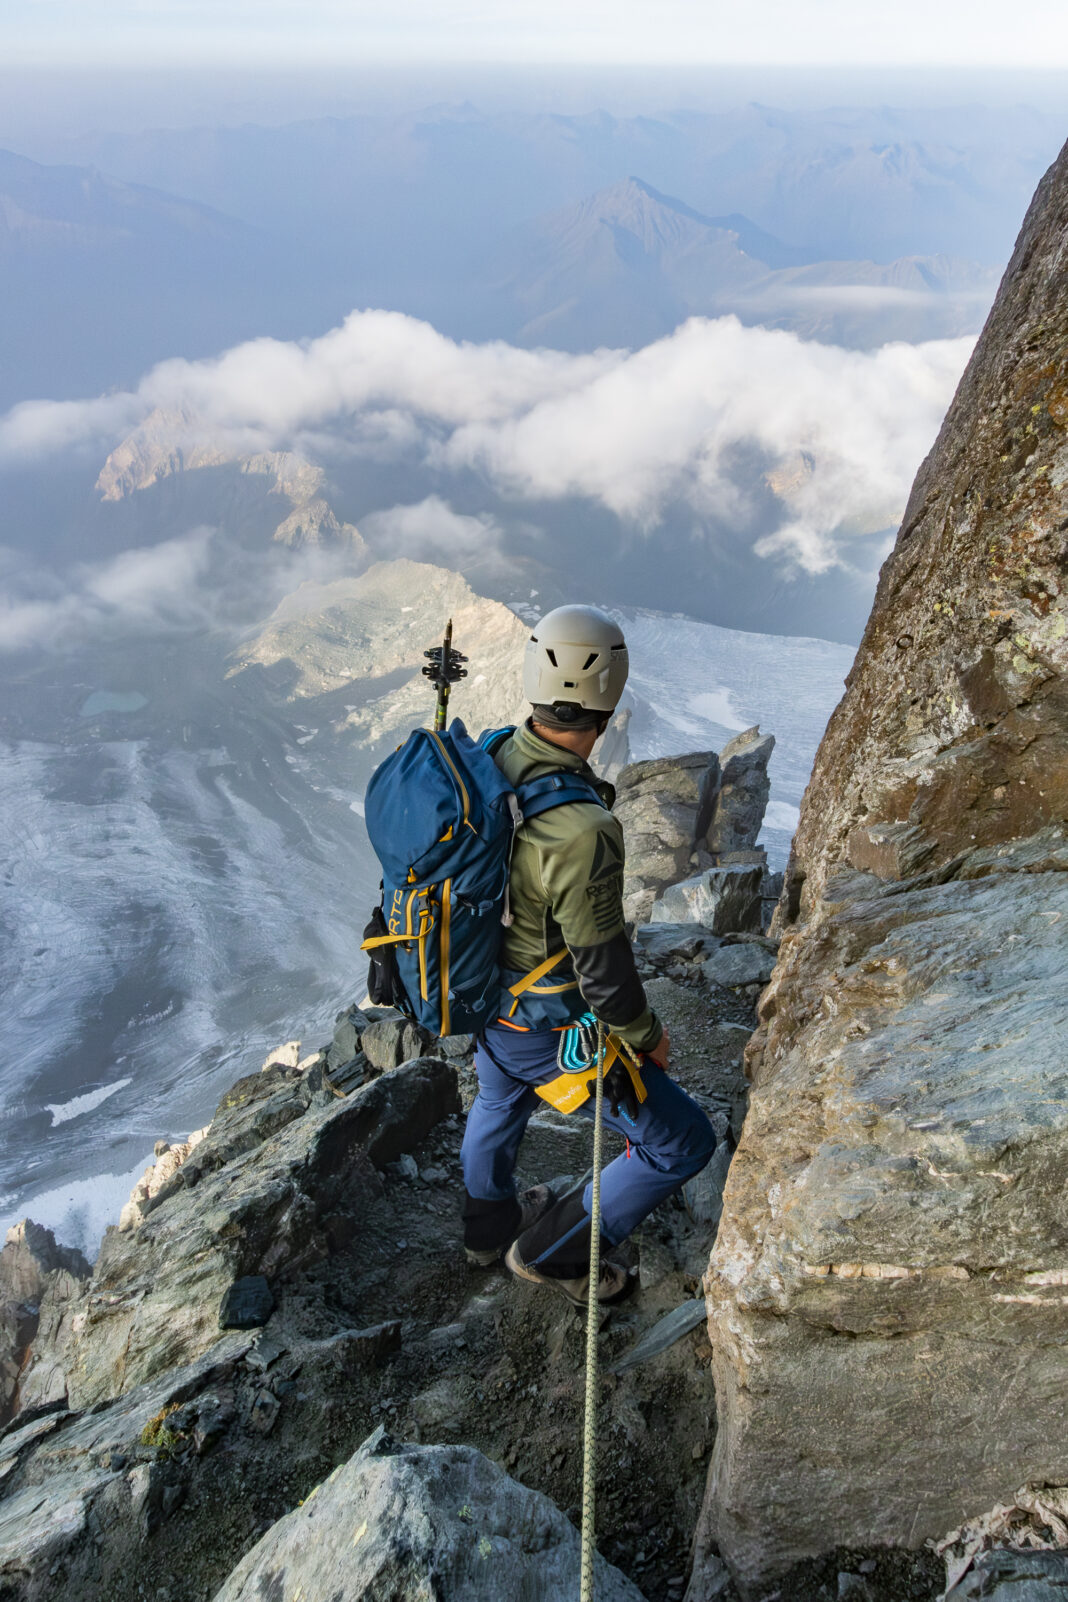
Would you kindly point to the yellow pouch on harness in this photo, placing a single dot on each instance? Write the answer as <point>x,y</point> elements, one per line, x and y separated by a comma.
<point>570,1090</point>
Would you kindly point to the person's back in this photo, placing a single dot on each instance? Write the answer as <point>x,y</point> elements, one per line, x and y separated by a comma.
<point>566,891</point>
<point>567,965</point>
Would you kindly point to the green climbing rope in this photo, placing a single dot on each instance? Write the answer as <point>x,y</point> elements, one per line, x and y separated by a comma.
<point>589,1436</point>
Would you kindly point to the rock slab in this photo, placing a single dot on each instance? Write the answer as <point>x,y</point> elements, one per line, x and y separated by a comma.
<point>415,1522</point>
<point>742,797</point>
<point>658,803</point>
<point>888,1291</point>
<point>275,1183</point>
<point>1009,1576</point>
<point>723,899</point>
<point>38,1278</point>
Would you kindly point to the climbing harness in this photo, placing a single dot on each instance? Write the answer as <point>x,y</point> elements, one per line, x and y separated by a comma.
<point>582,1047</point>
<point>589,1435</point>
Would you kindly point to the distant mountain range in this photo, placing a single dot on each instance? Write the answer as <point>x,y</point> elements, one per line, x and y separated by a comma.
<point>847,182</point>
<point>48,210</point>
<point>183,241</point>
<point>628,264</point>
<point>99,278</point>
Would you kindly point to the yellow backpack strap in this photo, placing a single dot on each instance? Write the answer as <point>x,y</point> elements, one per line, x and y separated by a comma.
<point>533,976</point>
<point>387,940</point>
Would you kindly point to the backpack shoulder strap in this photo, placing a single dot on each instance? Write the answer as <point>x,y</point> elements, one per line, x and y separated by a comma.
<point>554,790</point>
<point>491,740</point>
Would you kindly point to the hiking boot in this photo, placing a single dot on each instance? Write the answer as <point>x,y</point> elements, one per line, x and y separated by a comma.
<point>614,1282</point>
<point>533,1204</point>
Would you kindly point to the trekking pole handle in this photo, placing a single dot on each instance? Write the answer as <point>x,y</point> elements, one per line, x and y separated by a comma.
<point>444,669</point>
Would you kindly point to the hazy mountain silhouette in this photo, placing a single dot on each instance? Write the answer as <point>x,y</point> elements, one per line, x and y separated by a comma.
<point>100,277</point>
<point>628,264</point>
<point>409,211</point>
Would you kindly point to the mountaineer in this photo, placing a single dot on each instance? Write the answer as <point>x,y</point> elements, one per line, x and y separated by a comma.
<point>566,898</point>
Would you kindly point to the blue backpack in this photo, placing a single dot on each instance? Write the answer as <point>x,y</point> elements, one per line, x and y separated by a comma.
<point>442,819</point>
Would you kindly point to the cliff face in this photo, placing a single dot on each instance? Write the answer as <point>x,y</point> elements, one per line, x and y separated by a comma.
<point>954,718</point>
<point>888,1302</point>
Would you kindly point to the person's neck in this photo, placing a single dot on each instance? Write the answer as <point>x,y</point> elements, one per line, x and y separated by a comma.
<point>580,741</point>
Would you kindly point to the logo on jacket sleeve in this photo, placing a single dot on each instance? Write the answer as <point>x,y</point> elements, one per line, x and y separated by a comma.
<point>604,889</point>
<point>607,858</point>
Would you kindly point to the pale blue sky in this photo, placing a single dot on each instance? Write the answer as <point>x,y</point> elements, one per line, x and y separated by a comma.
<point>282,33</point>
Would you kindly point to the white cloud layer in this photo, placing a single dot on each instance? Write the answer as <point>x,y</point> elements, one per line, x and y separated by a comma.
<point>431,530</point>
<point>842,432</point>
<point>153,587</point>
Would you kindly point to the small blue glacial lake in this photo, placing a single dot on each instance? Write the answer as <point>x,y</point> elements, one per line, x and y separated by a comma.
<point>113,701</point>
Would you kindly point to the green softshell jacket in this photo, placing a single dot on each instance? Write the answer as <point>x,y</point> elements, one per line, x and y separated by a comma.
<point>566,889</point>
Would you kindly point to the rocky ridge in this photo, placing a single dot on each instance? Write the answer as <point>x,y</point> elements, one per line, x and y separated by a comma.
<point>290,1279</point>
<point>373,627</point>
<point>892,1254</point>
<point>168,443</point>
<point>37,1277</point>
<point>890,1247</point>
<point>319,1213</point>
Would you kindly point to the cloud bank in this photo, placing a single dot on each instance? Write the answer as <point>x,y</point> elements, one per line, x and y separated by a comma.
<point>431,531</point>
<point>157,587</point>
<point>839,434</point>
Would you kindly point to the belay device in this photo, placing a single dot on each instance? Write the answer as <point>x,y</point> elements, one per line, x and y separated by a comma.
<point>442,819</point>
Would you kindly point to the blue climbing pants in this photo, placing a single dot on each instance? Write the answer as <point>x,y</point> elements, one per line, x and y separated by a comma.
<point>670,1139</point>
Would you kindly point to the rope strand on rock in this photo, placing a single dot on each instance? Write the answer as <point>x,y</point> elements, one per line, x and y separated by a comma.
<point>589,1436</point>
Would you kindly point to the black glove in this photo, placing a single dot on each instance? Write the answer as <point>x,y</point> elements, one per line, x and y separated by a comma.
<point>619,1091</point>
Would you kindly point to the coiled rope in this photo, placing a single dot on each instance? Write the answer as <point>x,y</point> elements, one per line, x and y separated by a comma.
<point>589,1434</point>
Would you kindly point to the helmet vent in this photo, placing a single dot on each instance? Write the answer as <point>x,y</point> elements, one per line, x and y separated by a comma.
<point>551,654</point>
<point>590,660</point>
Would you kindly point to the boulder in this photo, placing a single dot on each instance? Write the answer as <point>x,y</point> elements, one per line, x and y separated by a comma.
<point>722,899</point>
<point>301,1181</point>
<point>698,810</point>
<point>887,1293</point>
<point>674,942</point>
<point>247,1303</point>
<point>391,1041</point>
<point>348,1030</point>
<point>458,1046</point>
<point>397,1519</point>
<point>658,803</point>
<point>892,1246</point>
<point>751,963</point>
<point>742,796</point>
